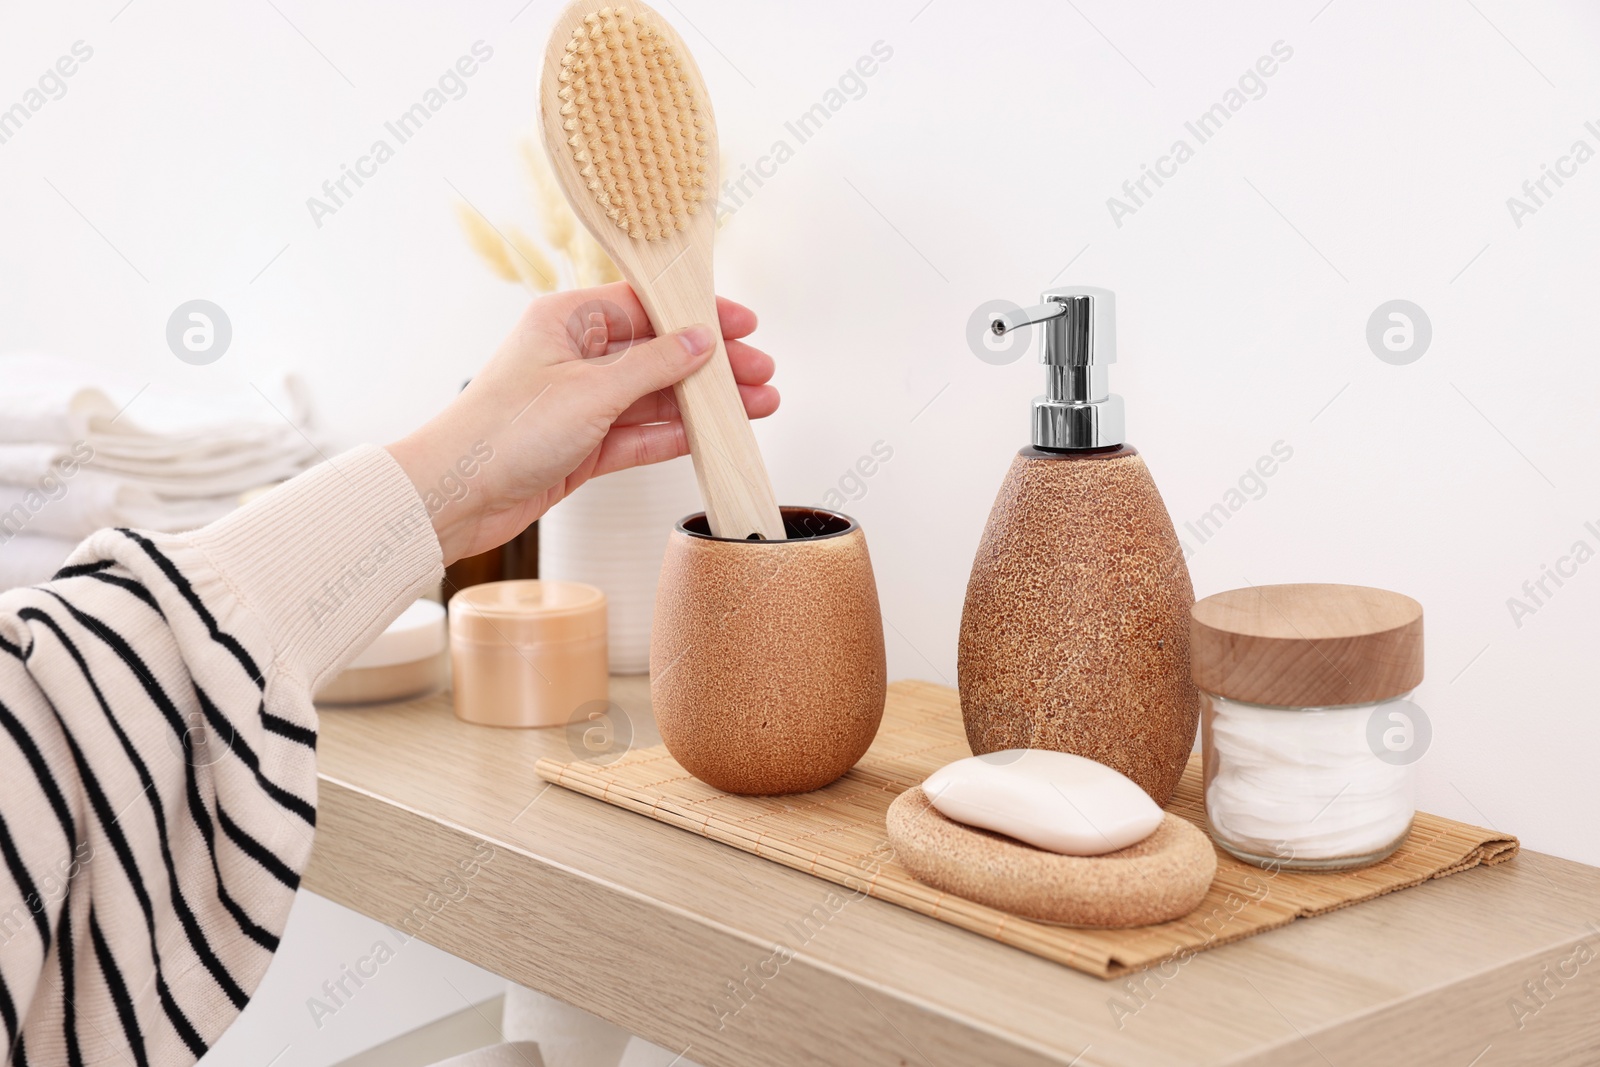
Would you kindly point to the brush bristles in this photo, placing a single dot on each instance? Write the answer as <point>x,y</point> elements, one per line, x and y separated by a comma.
<point>633,124</point>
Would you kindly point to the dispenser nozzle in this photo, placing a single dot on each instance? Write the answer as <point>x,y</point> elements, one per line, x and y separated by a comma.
<point>1080,339</point>
<point>1003,322</point>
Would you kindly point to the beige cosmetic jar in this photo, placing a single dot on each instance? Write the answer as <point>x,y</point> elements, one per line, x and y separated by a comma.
<point>405,661</point>
<point>527,652</point>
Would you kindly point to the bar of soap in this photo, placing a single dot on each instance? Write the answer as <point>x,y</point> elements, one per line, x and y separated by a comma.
<point>1051,800</point>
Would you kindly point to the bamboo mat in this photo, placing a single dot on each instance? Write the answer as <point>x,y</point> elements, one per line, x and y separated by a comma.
<point>837,833</point>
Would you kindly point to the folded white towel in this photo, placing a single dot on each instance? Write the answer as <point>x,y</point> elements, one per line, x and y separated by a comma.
<point>28,559</point>
<point>56,399</point>
<point>196,476</point>
<point>25,464</point>
<point>82,447</point>
<point>48,399</point>
<point>91,500</point>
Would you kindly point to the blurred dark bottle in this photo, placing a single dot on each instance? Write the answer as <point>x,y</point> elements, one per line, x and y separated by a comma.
<point>517,558</point>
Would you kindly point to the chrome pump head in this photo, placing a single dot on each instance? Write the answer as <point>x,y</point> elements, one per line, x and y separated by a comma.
<point>1080,339</point>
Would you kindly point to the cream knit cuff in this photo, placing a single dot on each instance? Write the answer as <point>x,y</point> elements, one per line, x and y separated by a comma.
<point>326,561</point>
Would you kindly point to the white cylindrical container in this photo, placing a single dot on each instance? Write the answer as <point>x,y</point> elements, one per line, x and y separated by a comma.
<point>1308,733</point>
<point>405,661</point>
<point>611,534</point>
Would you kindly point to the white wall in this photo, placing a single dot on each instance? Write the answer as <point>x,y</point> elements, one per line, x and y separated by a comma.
<point>977,164</point>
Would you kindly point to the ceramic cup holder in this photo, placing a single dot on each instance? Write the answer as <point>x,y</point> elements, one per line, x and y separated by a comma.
<point>767,670</point>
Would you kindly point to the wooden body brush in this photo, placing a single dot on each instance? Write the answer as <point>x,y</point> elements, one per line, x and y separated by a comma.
<point>628,127</point>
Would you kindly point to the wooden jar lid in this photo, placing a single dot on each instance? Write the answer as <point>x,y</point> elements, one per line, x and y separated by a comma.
<point>1306,645</point>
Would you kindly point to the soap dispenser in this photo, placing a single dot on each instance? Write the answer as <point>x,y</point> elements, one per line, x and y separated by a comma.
<point>1075,632</point>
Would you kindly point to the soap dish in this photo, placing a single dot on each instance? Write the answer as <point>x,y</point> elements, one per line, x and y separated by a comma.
<point>1161,878</point>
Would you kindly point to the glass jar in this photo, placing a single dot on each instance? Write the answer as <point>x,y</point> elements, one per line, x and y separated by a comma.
<point>1305,788</point>
<point>1308,734</point>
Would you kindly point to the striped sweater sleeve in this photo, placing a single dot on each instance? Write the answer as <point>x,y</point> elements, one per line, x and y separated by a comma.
<point>158,757</point>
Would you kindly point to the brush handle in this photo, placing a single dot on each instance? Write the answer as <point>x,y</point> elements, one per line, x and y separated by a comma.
<point>671,275</point>
<point>733,479</point>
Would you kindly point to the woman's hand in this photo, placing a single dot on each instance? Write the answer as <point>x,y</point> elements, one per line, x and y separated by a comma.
<point>581,387</point>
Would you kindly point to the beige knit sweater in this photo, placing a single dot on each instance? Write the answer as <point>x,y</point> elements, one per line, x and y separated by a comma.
<point>158,780</point>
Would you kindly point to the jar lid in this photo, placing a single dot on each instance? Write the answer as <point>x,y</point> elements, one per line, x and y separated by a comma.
<point>416,634</point>
<point>527,611</point>
<point>1306,645</point>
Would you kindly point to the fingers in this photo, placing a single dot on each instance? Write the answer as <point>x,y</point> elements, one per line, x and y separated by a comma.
<point>736,319</point>
<point>607,318</point>
<point>659,406</point>
<point>751,367</point>
<point>645,368</point>
<point>662,437</point>
<point>623,317</point>
<point>634,446</point>
<point>759,402</point>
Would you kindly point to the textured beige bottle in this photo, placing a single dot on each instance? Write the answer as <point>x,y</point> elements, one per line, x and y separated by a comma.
<point>1075,633</point>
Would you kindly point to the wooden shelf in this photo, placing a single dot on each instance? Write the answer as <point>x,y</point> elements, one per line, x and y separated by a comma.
<point>651,928</point>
